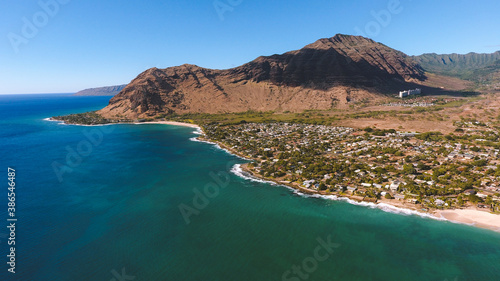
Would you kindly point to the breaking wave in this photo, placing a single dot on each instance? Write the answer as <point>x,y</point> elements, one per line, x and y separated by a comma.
<point>237,170</point>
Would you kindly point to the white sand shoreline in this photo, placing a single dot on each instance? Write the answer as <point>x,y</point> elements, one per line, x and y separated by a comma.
<point>471,217</point>
<point>174,123</point>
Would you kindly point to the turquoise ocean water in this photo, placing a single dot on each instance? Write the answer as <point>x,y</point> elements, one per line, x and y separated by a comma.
<point>113,212</point>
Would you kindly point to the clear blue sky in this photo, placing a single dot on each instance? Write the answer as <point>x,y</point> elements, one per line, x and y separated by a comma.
<point>90,43</point>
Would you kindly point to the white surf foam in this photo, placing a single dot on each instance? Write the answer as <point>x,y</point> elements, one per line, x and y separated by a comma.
<point>237,170</point>
<point>198,131</point>
<point>59,122</point>
<point>196,139</point>
<point>381,206</point>
<point>217,146</point>
<point>229,152</point>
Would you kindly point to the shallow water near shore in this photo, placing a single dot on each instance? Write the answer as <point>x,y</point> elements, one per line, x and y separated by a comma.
<point>118,211</point>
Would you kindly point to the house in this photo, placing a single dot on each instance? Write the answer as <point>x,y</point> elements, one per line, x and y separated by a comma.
<point>481,195</point>
<point>351,189</point>
<point>394,185</point>
<point>339,186</point>
<point>366,184</point>
<point>468,156</point>
<point>439,202</point>
<point>470,192</point>
<point>399,196</point>
<point>308,183</point>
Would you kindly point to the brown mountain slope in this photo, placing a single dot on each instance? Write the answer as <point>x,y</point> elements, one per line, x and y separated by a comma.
<point>326,74</point>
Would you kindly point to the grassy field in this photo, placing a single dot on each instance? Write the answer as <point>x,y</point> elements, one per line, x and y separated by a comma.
<point>440,112</point>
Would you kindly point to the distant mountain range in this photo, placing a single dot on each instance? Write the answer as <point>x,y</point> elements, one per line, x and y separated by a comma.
<point>329,73</point>
<point>484,69</point>
<point>101,91</point>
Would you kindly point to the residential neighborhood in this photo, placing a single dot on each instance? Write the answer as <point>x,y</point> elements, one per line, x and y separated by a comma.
<point>429,170</point>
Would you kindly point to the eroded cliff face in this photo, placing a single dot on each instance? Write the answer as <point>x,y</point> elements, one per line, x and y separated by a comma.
<point>327,74</point>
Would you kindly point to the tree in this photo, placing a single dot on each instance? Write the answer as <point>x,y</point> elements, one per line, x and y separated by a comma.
<point>480,163</point>
<point>430,136</point>
<point>409,169</point>
<point>399,153</point>
<point>475,149</point>
<point>474,199</point>
<point>422,166</point>
<point>489,200</point>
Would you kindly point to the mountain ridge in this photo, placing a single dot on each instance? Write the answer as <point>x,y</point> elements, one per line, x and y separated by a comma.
<point>328,73</point>
<point>101,91</point>
<point>457,65</point>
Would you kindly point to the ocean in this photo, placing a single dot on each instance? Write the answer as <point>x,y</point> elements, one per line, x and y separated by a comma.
<point>146,202</point>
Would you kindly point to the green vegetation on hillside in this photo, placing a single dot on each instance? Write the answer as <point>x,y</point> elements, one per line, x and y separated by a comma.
<point>87,118</point>
<point>484,69</point>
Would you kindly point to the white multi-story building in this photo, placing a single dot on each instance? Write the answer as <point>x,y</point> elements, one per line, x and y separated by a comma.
<point>416,91</point>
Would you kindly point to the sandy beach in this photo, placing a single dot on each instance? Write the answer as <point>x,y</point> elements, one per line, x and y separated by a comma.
<point>472,217</point>
<point>175,123</point>
<point>172,123</point>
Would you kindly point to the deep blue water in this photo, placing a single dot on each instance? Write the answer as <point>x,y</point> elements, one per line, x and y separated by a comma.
<point>114,209</point>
